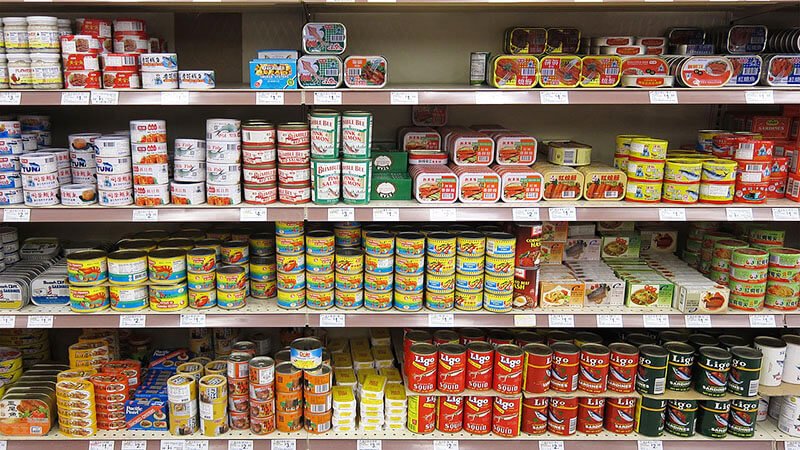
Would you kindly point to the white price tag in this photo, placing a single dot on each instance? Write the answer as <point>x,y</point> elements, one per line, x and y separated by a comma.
<point>253,215</point>
<point>490,98</point>
<point>40,321</point>
<point>341,214</point>
<point>790,214</point>
<point>8,321</point>
<point>525,214</point>
<point>175,98</point>
<point>759,97</point>
<point>16,215</point>
<point>332,320</point>
<point>75,97</point>
<point>101,445</point>
<point>650,445</point>
<point>443,214</point>
<point>369,444</point>
<point>196,445</point>
<point>609,321</point>
<point>445,445</point>
<point>762,321</point>
<point>101,97</point>
<point>698,321</point>
<point>283,444</point>
<point>145,215</point>
<point>327,98</point>
<point>172,445</point>
<point>655,320</point>
<point>132,321</point>
<point>561,321</point>
<point>440,320</point>
<point>551,445</point>
<point>3,445</point>
<point>672,214</point>
<point>386,214</point>
<point>524,320</point>
<point>134,445</point>
<point>739,214</point>
<point>659,97</point>
<point>791,445</point>
<point>10,98</point>
<point>554,97</point>
<point>567,213</point>
<point>193,320</point>
<point>240,444</point>
<point>269,98</point>
<point>404,98</point>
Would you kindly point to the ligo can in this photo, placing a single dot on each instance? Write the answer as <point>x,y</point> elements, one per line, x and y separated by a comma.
<point>680,363</point>
<point>623,361</point>
<point>480,363</point>
<point>421,364</point>
<point>713,365</point>
<point>590,414</point>
<point>449,413</point>
<point>451,368</point>
<point>742,417</point>
<point>712,418</point>
<point>422,414</point>
<point>619,415</point>
<point>534,415</point>
<point>745,371</point>
<point>652,371</point>
<point>562,418</point>
<point>477,414</point>
<point>650,416</point>
<point>593,368</point>
<point>538,361</point>
<point>506,415</point>
<point>681,416</point>
<point>564,372</point>
<point>508,368</point>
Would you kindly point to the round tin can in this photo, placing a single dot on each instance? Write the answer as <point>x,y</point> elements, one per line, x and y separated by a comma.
<point>235,252</point>
<point>774,352</point>
<point>619,415</point>
<point>745,371</point>
<point>293,134</point>
<point>506,416</point>
<point>259,155</point>
<point>325,127</point>
<point>319,264</point>
<point>295,175</point>
<point>440,283</point>
<point>475,265</point>
<point>408,301</point>
<point>422,414</point>
<point>320,281</point>
<point>471,244</point>
<point>564,372</point>
<point>477,415</point>
<point>286,228</point>
<point>498,285</point>
<point>306,353</point>
<point>750,258</point>
<point>349,282</point>
<point>743,416</point>
<point>537,373</point>
<point>650,416</point>
<point>643,147</point>
<point>500,245</point>
<point>480,362</point>
<point>356,134</point>
<point>378,301</point>
<point>441,266</point>
<point>449,413</point>
<point>291,281</point>
<point>127,267</point>
<point>410,244</point>
<point>420,366</point>
<point>128,298</point>
<point>201,260</point>
<point>348,234</point>
<point>681,417</point>
<point>167,298</point>
<point>349,299</point>
<point>293,246</point>
<point>590,415</point>
<point>87,267</point>
<point>356,181</point>
<point>623,361</point>
<point>534,415</point>
<point>201,281</point>
<point>319,242</point>
<point>87,299</point>
<point>562,417</point>
<point>680,363</point>
<point>233,278</point>
<point>407,266</point>
<point>379,243</point>
<point>202,299</point>
<point>378,283</point>
<point>377,265</point>
<point>349,261</point>
<point>712,420</point>
<point>452,368</point>
<point>785,258</point>
<point>468,301</point>
<point>652,371</point>
<point>290,263</point>
<point>166,266</point>
<point>593,368</point>
<point>713,365</point>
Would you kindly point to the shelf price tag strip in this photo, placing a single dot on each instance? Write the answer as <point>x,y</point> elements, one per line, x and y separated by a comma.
<point>650,445</point>
<point>609,321</point>
<point>133,445</point>
<point>172,445</point>
<point>369,444</point>
<point>551,445</point>
<point>524,320</point>
<point>404,98</point>
<point>103,97</point>
<point>10,98</point>
<point>762,321</point>
<point>253,215</point>
<point>788,214</point>
<point>193,320</point>
<point>659,97</point>
<point>101,445</point>
<point>283,444</point>
<point>270,98</point>
<point>445,445</point>
<point>132,321</point>
<point>8,321</point>
<point>386,214</point>
<point>655,321</point>
<point>40,321</point>
<point>240,444</point>
<point>17,215</point>
<point>561,321</point>
<point>672,214</point>
<point>554,97</point>
<point>566,213</point>
<point>739,214</point>
<point>75,98</point>
<point>760,97</point>
<point>443,214</point>
<point>196,445</point>
<point>332,320</point>
<point>327,98</point>
<point>341,214</point>
<point>440,320</point>
<point>175,98</point>
<point>145,215</point>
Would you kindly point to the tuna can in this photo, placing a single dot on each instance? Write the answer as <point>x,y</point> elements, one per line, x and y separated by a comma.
<point>742,417</point>
<point>745,371</point>
<point>168,298</point>
<point>451,369</point>
<point>681,417</point>
<point>325,127</point>
<point>127,267</point>
<point>534,415</point>
<point>471,244</point>
<point>422,414</point>
<point>650,416</point>
<point>441,266</point>
<point>562,417</point>
<point>773,362</point>
<point>712,420</point>
<point>590,414</point>
<point>713,365</point>
<point>593,368</point>
<point>651,374</point>
<point>619,415</point>
<point>410,245</point>
<point>356,181</point>
<point>623,361</point>
<point>564,371</point>
<point>420,366</point>
<point>681,361</point>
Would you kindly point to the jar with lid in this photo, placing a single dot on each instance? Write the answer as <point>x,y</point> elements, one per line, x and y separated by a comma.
<point>20,74</point>
<point>46,71</point>
<point>15,34</point>
<point>3,71</point>
<point>64,27</point>
<point>43,34</point>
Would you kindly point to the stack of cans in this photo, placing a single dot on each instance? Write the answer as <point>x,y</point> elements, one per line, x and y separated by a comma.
<point>262,395</point>
<point>213,405</point>
<point>294,162</point>
<point>258,155</point>
<point>188,187</point>
<point>182,400</point>
<point>159,70</point>
<point>40,179</point>
<point>239,386</point>
<point>371,403</point>
<point>223,161</point>
<point>113,162</point>
<point>201,265</point>
<point>10,149</point>
<point>110,400</point>
<point>291,264</point>
<point>150,162</point>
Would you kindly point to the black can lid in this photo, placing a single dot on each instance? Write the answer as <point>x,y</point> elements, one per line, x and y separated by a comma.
<point>653,350</point>
<point>714,353</point>
<point>741,351</point>
<point>679,347</point>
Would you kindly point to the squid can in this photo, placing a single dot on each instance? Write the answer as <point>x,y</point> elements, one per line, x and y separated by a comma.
<point>680,363</point>
<point>623,361</point>
<point>590,414</point>
<point>562,417</point>
<point>451,369</point>
<point>420,363</point>
<point>681,417</point>
<point>506,416</point>
<point>449,413</point>
<point>480,361</point>
<point>564,372</point>
<point>742,417</point>
<point>712,420</point>
<point>477,414</point>
<point>619,415</point>
<point>593,368</point>
<point>538,362</point>
<point>713,365</point>
<point>650,416</point>
<point>651,375</point>
<point>421,414</point>
<point>534,415</point>
<point>507,378</point>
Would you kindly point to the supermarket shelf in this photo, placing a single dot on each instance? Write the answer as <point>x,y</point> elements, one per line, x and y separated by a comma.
<point>783,389</point>
<point>792,320</point>
<point>168,213</point>
<point>221,96</point>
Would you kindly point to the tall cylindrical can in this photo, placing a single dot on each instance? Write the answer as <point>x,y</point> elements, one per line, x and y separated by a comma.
<point>480,361</point>
<point>564,372</point>
<point>593,368</point>
<point>745,371</point>
<point>326,181</point>
<point>619,415</point>
<point>681,361</point>
<point>622,367</point>
<point>534,415</point>
<point>650,416</point>
<point>538,362</point>
<point>562,418</point>
<point>325,127</point>
<point>356,134</point>
<point>356,180</point>
<point>791,367</point>
<point>712,418</point>
<point>651,375</point>
<point>451,370</point>
<point>772,364</point>
<point>590,414</point>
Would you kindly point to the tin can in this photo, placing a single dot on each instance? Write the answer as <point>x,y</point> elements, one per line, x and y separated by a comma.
<point>593,368</point>
<point>409,244</point>
<point>590,415</point>
<point>325,128</point>
<point>288,422</point>
<point>232,278</point>
<point>306,353</point>
<point>202,299</point>
<point>87,299</point>
<point>319,299</point>
<point>534,415</point>
<point>480,362</point>
<point>623,361</point>
<point>326,181</point>
<point>422,414</point>
<point>319,243</point>
<point>508,369</point>
<point>441,244</point>
<point>564,371</point>
<point>320,281</point>
<point>506,416</point>
<point>745,371</point>
<point>166,265</point>
<point>356,134</point>
<point>378,265</point>
<point>319,380</point>
<point>449,413</point>
<point>620,415</point>
<point>348,299</point>
<point>379,243</point>
<point>477,414</point>
<point>420,365</point>
<point>750,258</point>
<point>87,267</point>
<point>713,365</point>
<point>538,361</point>
<point>349,261</point>
<point>680,363</point>
<point>288,378</point>
<point>681,417</point>
<point>562,418</point>
<point>712,420</point>
<point>127,267</point>
<point>356,181</point>
<point>742,417</point>
<point>378,301</point>
<point>452,368</point>
<point>201,281</point>
<point>650,416</point>
<point>168,297</point>
<point>500,245</point>
<point>652,371</point>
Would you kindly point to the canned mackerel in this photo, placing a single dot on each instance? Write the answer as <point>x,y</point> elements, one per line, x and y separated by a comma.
<point>745,371</point>
<point>681,361</point>
<point>681,417</point>
<point>651,375</point>
<point>713,365</point>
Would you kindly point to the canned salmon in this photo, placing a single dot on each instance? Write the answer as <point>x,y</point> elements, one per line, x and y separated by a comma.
<point>420,365</point>
<point>619,415</point>
<point>564,372</point>
<point>508,368</point>
<point>422,414</point>
<point>562,416</point>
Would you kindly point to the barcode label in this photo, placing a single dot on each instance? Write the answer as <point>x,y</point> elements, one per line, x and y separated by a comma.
<point>331,72</point>
<point>356,72</point>
<point>529,72</point>
<point>336,38</point>
<point>573,423</point>
<point>318,408</point>
<point>612,71</point>
<point>659,384</point>
<point>750,71</point>
<point>548,72</point>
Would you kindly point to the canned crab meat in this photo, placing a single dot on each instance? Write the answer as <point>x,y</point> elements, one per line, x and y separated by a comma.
<point>291,299</point>
<point>168,297</point>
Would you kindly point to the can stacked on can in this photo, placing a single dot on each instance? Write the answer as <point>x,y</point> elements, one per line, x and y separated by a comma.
<point>318,398</point>
<point>189,175</point>
<point>498,286</point>
<point>74,388</point>
<point>526,265</point>
<point>319,277</point>
<point>326,168</point>
<point>721,259</point>
<point>754,159</point>
<point>120,69</point>
<point>213,400</point>
<point>260,174</point>
<point>291,264</point>
<point>166,270</point>
<point>10,151</point>
<point>150,163</point>
<point>765,238</point>
<point>288,397</point>
<point>294,162</point>
<point>238,375</point>
<point>223,162</point>
<point>778,177</point>
<point>645,169</point>
<point>440,268</point>
<point>158,70</point>
<point>182,401</point>
<point>263,268</point>
<point>349,266</point>
<point>356,152</point>
<point>379,251</point>
<point>409,267</point>
<point>111,393</point>
<point>469,264</point>
<point>201,265</point>
<point>783,279</point>
<point>748,279</point>
<point>39,179</point>
<point>262,395</point>
<point>232,275</point>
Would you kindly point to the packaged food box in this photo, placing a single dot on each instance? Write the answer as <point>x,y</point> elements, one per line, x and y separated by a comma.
<point>561,293</point>
<point>657,292</point>
<point>771,127</point>
<point>324,38</point>
<point>621,246</point>
<point>519,184</point>
<point>514,148</point>
<point>319,71</point>
<point>604,291</point>
<point>581,229</point>
<point>146,415</point>
<point>603,183</point>
<point>391,186</point>
<point>365,71</point>
<point>582,248</point>
<point>659,240</point>
<point>513,72</point>
<point>568,153</point>
<point>429,115</point>
<point>552,252</point>
<point>477,184</point>
<point>394,161</point>
<point>275,74</point>
<point>419,138</point>
<point>560,182</point>
<point>701,298</point>
<point>277,54</point>
<point>168,359</point>
<point>555,231</point>
<point>560,71</point>
<point>434,184</point>
<point>615,226</point>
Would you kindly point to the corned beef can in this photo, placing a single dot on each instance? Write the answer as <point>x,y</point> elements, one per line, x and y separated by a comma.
<point>622,367</point>
<point>451,369</point>
<point>562,417</point>
<point>538,361</point>
<point>534,415</point>
<point>480,361</point>
<point>506,416</point>
<point>421,413</point>
<point>564,371</point>
<point>82,79</point>
<point>258,155</point>
<point>260,194</point>
<point>507,377</point>
<point>590,414</point>
<point>593,373</point>
<point>449,413</point>
<point>293,134</point>
<point>619,415</point>
<point>420,362</point>
<point>415,337</point>
<point>478,414</point>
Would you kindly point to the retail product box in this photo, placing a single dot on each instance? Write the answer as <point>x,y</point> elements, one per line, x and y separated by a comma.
<point>561,293</point>
<point>552,252</point>
<point>168,360</point>
<point>555,231</point>
<point>771,127</point>
<point>581,229</point>
<point>701,298</point>
<point>146,415</point>
<point>604,292</point>
<point>656,292</point>
<point>277,54</point>
<point>273,74</point>
<point>621,245</point>
<point>659,240</point>
<point>391,186</point>
<point>585,248</point>
<point>390,161</point>
<point>603,227</point>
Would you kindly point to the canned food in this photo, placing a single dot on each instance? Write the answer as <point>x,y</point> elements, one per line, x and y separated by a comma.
<point>168,297</point>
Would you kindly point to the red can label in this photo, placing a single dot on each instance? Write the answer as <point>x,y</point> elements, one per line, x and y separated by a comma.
<point>449,413</point>
<point>537,372</point>
<point>412,337</point>
<point>506,416</point>
<point>593,371</point>
<point>480,359</point>
<point>478,415</point>
<point>421,413</point>
<point>622,372</point>
<point>420,362</point>
<point>534,415</point>
<point>563,415</point>
<point>452,371</point>
<point>529,245</point>
<point>507,377</point>
<point>564,374</point>
<point>619,415</point>
<point>590,415</point>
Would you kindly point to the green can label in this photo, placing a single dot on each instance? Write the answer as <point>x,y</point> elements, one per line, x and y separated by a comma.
<point>650,416</point>
<point>651,375</point>
<point>681,360</point>
<point>712,369</point>
<point>325,181</point>
<point>681,417</point>
<point>356,134</point>
<point>742,418</point>
<point>356,181</point>
<point>712,418</point>
<point>745,371</point>
<point>326,131</point>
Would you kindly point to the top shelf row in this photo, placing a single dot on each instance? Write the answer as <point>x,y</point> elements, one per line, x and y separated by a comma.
<point>424,3</point>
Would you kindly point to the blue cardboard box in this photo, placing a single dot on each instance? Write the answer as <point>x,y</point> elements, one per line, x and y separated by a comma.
<point>276,74</point>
